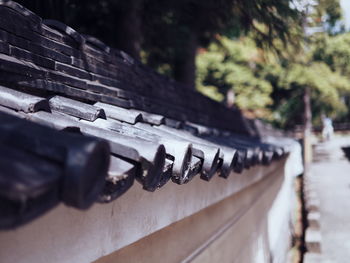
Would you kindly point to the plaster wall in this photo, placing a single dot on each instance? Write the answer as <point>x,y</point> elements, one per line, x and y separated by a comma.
<point>67,235</point>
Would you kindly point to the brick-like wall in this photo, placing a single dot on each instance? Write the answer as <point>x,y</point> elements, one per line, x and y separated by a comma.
<point>50,57</point>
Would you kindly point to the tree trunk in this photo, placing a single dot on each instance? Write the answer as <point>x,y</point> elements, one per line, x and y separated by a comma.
<point>128,27</point>
<point>185,63</point>
<point>307,127</point>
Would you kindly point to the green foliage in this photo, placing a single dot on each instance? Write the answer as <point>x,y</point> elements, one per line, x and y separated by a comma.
<point>181,24</point>
<point>234,65</point>
<point>327,88</point>
<point>334,51</point>
<point>261,80</point>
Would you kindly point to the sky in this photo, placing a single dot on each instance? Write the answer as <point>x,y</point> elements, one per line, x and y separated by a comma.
<point>345,4</point>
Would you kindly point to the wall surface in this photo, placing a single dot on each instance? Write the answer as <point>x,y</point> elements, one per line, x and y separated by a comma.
<point>249,226</point>
<point>241,219</point>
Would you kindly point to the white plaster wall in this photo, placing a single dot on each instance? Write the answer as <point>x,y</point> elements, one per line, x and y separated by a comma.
<point>280,214</point>
<point>246,240</point>
<point>262,234</point>
<point>68,235</point>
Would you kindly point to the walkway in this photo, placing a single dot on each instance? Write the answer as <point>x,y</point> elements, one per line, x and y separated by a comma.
<point>330,179</point>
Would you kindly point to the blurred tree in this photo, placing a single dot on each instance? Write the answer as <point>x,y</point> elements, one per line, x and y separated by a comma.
<point>176,29</point>
<point>168,35</point>
<point>334,51</point>
<point>326,89</point>
<point>170,32</point>
<point>327,14</point>
<point>261,80</point>
<point>233,68</point>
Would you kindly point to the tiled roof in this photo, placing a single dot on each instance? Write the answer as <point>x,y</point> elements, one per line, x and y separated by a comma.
<point>79,121</point>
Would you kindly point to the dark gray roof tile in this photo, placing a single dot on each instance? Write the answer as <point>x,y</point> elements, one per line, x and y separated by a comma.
<point>97,43</point>
<point>76,108</point>
<point>167,172</point>
<point>4,48</point>
<point>120,113</point>
<point>83,160</point>
<point>65,29</point>
<point>35,48</point>
<point>173,123</point>
<point>29,186</point>
<point>28,56</point>
<point>11,112</point>
<point>21,101</point>
<point>210,153</point>
<point>13,65</point>
<point>150,118</point>
<point>121,175</point>
<point>53,34</point>
<point>30,16</point>
<point>179,150</point>
<point>72,71</point>
<point>150,155</point>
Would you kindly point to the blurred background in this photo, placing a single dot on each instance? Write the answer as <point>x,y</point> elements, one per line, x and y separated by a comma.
<point>285,62</point>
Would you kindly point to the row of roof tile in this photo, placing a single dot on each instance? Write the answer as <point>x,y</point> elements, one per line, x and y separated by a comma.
<point>80,121</point>
<point>151,153</point>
